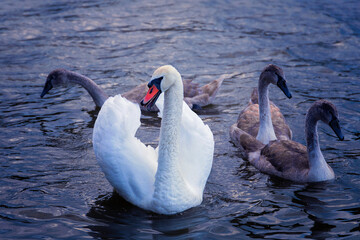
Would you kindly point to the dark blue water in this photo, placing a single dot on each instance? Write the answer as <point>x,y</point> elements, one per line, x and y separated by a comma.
<point>50,184</point>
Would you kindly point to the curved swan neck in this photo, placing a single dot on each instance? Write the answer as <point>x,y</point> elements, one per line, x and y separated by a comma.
<point>170,125</point>
<point>319,170</point>
<point>97,94</point>
<point>312,142</point>
<point>266,131</point>
<point>169,182</point>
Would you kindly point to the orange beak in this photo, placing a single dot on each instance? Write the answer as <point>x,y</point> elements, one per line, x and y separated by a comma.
<point>151,97</point>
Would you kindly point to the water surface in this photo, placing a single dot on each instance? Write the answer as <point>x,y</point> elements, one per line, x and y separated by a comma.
<point>50,183</point>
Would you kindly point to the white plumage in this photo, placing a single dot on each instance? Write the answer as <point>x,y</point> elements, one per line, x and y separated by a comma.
<point>132,168</point>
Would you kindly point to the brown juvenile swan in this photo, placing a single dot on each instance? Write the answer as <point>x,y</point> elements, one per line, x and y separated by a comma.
<point>195,96</point>
<point>291,160</point>
<point>271,124</point>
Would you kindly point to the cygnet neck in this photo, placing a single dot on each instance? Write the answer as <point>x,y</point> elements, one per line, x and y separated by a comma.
<point>97,94</point>
<point>319,169</point>
<point>266,131</point>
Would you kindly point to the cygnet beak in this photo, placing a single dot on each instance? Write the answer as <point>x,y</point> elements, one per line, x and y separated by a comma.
<point>48,86</point>
<point>281,83</point>
<point>335,126</point>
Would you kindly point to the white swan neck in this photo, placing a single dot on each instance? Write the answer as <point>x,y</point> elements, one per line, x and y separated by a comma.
<point>168,176</point>
<point>170,123</point>
<point>319,170</point>
<point>266,131</point>
<point>97,94</point>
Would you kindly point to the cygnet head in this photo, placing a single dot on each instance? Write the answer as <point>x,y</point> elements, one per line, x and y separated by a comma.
<point>325,111</point>
<point>162,79</point>
<point>55,78</point>
<point>275,75</point>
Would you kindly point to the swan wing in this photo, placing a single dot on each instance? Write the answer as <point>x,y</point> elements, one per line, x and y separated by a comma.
<point>196,148</point>
<point>128,164</point>
<point>244,141</point>
<point>287,158</point>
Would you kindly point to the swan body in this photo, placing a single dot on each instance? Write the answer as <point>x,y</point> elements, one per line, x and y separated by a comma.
<point>165,180</point>
<point>291,160</point>
<point>194,95</point>
<point>262,118</point>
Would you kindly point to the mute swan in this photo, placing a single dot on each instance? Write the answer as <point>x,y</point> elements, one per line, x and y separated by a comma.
<point>271,125</point>
<point>291,160</point>
<point>165,180</point>
<point>195,96</point>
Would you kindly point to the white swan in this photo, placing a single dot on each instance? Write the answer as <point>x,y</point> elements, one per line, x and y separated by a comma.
<point>262,118</point>
<point>165,180</point>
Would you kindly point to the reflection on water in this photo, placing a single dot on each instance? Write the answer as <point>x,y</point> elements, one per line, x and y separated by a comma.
<point>120,219</point>
<point>50,183</point>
